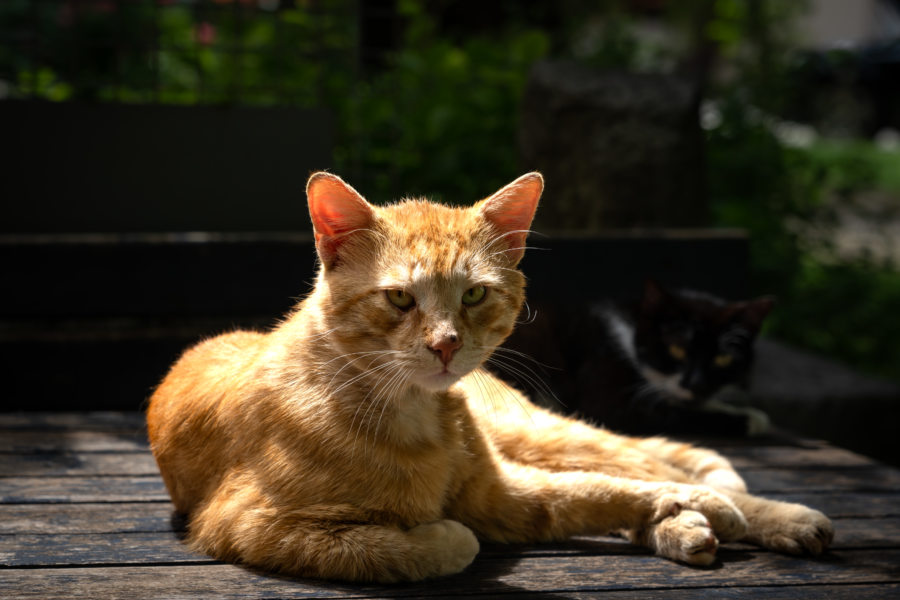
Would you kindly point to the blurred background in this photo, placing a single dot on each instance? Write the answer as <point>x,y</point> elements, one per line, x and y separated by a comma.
<point>154,148</point>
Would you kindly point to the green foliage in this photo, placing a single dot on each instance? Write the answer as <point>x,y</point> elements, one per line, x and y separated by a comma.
<point>845,309</point>
<point>442,117</point>
<point>857,165</point>
<point>756,183</point>
<point>829,303</point>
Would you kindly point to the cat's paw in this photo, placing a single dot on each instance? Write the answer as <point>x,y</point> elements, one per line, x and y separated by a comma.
<point>758,422</point>
<point>446,546</point>
<point>727,520</point>
<point>687,537</point>
<point>793,529</point>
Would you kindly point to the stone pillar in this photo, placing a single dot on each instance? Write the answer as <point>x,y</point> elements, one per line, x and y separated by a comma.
<point>617,149</point>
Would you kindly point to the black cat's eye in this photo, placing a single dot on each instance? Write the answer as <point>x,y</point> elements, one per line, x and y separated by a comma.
<point>723,360</point>
<point>401,299</point>
<point>474,295</point>
<point>677,352</point>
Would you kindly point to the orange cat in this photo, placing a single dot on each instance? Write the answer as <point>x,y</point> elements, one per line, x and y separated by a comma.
<point>361,440</point>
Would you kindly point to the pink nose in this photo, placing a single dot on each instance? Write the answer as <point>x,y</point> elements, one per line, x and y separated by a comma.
<point>446,347</point>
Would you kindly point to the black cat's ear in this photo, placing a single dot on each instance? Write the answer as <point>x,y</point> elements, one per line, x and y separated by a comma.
<point>753,312</point>
<point>336,210</point>
<point>510,211</point>
<point>655,296</point>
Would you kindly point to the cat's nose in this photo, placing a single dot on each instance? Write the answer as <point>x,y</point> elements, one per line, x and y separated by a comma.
<point>445,347</point>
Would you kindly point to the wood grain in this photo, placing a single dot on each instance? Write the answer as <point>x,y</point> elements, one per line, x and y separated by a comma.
<point>84,514</point>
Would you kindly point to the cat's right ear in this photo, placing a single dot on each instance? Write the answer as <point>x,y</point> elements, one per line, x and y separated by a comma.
<point>511,209</point>
<point>336,210</point>
<point>655,296</point>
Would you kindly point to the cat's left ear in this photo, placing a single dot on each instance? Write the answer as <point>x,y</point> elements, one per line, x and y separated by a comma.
<point>336,210</point>
<point>754,312</point>
<point>511,209</point>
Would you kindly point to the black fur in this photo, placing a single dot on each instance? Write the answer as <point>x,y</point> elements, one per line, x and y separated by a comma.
<point>596,360</point>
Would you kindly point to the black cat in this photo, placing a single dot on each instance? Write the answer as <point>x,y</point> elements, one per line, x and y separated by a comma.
<point>651,366</point>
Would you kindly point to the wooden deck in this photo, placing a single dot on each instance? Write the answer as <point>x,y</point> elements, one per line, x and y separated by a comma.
<point>84,514</point>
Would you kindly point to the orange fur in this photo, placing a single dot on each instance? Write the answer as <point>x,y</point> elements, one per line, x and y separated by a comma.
<point>362,440</point>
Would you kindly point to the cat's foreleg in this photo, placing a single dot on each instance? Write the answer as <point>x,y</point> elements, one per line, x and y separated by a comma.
<point>328,541</point>
<point>784,526</point>
<point>519,503</point>
<point>702,465</point>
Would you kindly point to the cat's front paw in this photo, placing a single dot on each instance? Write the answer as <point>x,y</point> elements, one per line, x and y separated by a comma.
<point>758,422</point>
<point>792,528</point>
<point>446,547</point>
<point>727,520</point>
<point>687,537</point>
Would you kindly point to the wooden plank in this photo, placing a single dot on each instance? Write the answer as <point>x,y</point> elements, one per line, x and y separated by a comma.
<point>123,517</point>
<point>82,489</point>
<point>77,463</point>
<point>875,479</point>
<point>487,576</point>
<point>30,585</point>
<point>841,505</point>
<point>766,457</point>
<point>151,488</point>
<point>87,518</point>
<point>164,546</point>
<point>75,440</point>
<point>780,452</point>
<point>89,420</point>
<point>94,549</point>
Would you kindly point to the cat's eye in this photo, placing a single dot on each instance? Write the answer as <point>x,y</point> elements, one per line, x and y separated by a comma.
<point>474,295</point>
<point>677,352</point>
<point>400,299</point>
<point>723,360</point>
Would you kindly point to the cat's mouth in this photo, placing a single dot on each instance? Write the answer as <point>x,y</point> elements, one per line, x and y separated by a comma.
<point>439,380</point>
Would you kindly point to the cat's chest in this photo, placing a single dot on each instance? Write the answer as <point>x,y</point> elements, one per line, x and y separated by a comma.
<point>416,422</point>
<point>415,482</point>
<point>416,478</point>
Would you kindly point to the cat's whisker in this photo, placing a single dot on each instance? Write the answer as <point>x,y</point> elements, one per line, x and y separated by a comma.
<point>322,335</point>
<point>355,378</point>
<point>384,397</point>
<point>392,369</point>
<point>359,354</point>
<point>530,317</point>
<point>379,369</point>
<point>513,249</point>
<point>359,376</point>
<point>523,372</point>
<point>501,237</point>
<point>396,383</point>
<point>519,376</point>
<point>489,391</point>
<point>502,349</point>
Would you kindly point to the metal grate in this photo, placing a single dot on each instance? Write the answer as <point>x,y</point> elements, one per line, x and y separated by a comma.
<point>250,52</point>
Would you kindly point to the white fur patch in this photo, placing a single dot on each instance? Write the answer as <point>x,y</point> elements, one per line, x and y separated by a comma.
<point>622,332</point>
<point>667,383</point>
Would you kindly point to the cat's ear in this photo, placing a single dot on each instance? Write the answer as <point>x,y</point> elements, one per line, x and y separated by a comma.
<point>336,210</point>
<point>754,312</point>
<point>510,211</point>
<point>655,296</point>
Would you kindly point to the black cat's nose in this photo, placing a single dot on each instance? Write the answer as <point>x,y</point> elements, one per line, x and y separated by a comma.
<point>694,381</point>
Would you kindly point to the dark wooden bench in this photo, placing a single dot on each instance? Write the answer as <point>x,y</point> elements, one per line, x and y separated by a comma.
<point>84,514</point>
